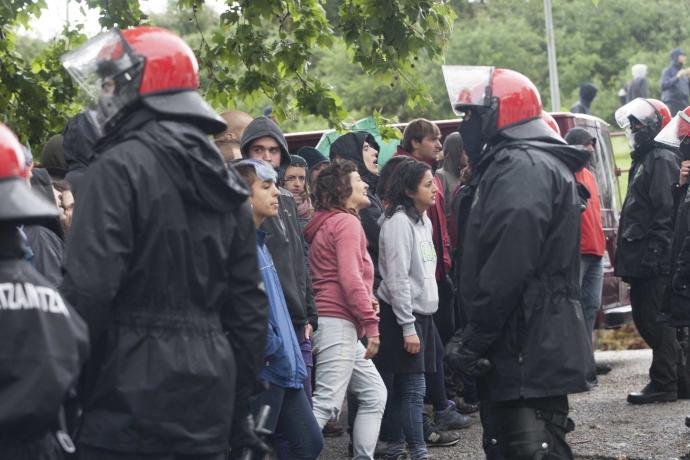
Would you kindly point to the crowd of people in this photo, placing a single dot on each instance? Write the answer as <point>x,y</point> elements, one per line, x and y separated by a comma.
<point>218,296</point>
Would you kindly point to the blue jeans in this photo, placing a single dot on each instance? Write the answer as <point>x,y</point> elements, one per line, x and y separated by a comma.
<point>591,282</point>
<point>404,414</point>
<point>292,417</point>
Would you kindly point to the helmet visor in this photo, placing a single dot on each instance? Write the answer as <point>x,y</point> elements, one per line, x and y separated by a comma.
<point>639,108</point>
<point>467,85</point>
<point>98,60</point>
<point>675,131</point>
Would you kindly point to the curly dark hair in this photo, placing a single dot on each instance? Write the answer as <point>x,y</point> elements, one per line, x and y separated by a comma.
<point>333,186</point>
<point>408,176</point>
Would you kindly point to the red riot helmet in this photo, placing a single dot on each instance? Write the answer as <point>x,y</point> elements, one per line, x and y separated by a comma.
<point>147,65</point>
<point>502,98</point>
<point>551,122</point>
<point>676,133</point>
<point>642,120</point>
<point>19,204</point>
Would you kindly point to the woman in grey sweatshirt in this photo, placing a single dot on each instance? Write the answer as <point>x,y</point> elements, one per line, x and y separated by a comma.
<point>409,296</point>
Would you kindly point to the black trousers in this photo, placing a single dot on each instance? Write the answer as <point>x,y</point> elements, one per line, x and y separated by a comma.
<point>526,429</point>
<point>646,299</point>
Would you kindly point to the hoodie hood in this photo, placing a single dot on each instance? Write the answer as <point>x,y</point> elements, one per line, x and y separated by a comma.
<point>312,156</point>
<point>639,70</point>
<point>189,158</point>
<point>53,158</point>
<point>78,139</point>
<point>349,147</point>
<point>312,228</point>
<point>537,134</point>
<point>265,127</point>
<point>452,153</point>
<point>675,53</point>
<point>588,92</point>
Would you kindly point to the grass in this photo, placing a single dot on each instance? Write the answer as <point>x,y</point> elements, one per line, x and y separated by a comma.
<point>621,152</point>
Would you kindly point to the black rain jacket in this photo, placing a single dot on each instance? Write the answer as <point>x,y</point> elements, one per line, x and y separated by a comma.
<point>43,344</point>
<point>645,228</point>
<point>677,300</point>
<point>285,240</point>
<point>161,263</point>
<point>520,276</point>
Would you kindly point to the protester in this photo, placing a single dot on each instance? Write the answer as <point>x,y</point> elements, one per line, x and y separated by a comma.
<point>422,141</point>
<point>675,84</point>
<point>294,179</point>
<point>65,203</point>
<point>291,415</point>
<point>161,261</point>
<point>638,86</point>
<point>645,232</point>
<point>343,275</point>
<point>43,340</point>
<point>450,178</point>
<point>263,140</point>
<point>526,369</point>
<point>592,240</point>
<point>228,142</point>
<point>587,94</point>
<point>316,162</point>
<point>53,158</point>
<point>409,298</point>
<point>78,139</point>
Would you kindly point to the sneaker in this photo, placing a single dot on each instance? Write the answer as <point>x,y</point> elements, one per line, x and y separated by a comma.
<point>450,419</point>
<point>466,408</point>
<point>437,438</point>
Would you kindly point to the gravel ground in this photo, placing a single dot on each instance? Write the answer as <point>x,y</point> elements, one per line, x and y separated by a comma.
<point>607,426</point>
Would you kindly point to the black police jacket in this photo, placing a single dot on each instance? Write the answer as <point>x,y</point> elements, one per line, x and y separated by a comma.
<point>161,262</point>
<point>520,271</point>
<point>43,344</point>
<point>646,222</point>
<point>677,299</point>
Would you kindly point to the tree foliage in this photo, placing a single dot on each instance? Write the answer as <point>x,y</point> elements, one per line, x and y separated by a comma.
<point>258,50</point>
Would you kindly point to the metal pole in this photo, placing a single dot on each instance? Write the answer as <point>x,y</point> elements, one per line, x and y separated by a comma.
<point>553,66</point>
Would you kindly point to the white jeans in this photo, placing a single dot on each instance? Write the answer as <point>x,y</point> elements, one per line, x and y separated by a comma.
<point>340,369</point>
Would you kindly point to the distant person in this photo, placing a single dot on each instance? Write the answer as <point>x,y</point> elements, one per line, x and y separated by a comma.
<point>675,85</point>
<point>53,158</point>
<point>316,162</point>
<point>592,240</point>
<point>638,86</point>
<point>294,179</point>
<point>228,142</point>
<point>587,94</point>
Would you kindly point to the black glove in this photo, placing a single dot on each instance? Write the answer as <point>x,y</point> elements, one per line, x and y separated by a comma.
<point>462,359</point>
<point>246,437</point>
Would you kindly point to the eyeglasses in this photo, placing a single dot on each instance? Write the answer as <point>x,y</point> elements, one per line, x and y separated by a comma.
<point>260,150</point>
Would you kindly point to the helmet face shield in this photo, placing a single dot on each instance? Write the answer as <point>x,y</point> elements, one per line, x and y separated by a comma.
<point>676,131</point>
<point>467,86</point>
<point>107,72</point>
<point>641,110</point>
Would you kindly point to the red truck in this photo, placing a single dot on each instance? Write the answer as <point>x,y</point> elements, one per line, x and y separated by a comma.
<point>616,309</point>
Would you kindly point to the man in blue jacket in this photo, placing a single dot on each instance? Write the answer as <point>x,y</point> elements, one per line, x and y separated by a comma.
<point>675,85</point>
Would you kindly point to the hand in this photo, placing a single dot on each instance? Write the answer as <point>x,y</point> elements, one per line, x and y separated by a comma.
<point>307,331</point>
<point>462,359</point>
<point>412,344</point>
<point>247,437</point>
<point>684,172</point>
<point>683,73</point>
<point>375,304</point>
<point>372,347</point>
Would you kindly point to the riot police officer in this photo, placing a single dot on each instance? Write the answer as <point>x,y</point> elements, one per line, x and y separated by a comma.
<point>645,233</point>
<point>43,341</point>
<point>161,260</point>
<point>525,338</point>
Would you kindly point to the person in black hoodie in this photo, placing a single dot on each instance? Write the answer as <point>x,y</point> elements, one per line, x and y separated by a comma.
<point>587,94</point>
<point>161,262</point>
<point>263,140</point>
<point>525,338</point>
<point>78,139</point>
<point>675,85</point>
<point>43,341</point>
<point>645,232</point>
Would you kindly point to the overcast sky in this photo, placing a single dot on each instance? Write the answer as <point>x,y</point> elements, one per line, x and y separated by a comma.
<point>55,16</point>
